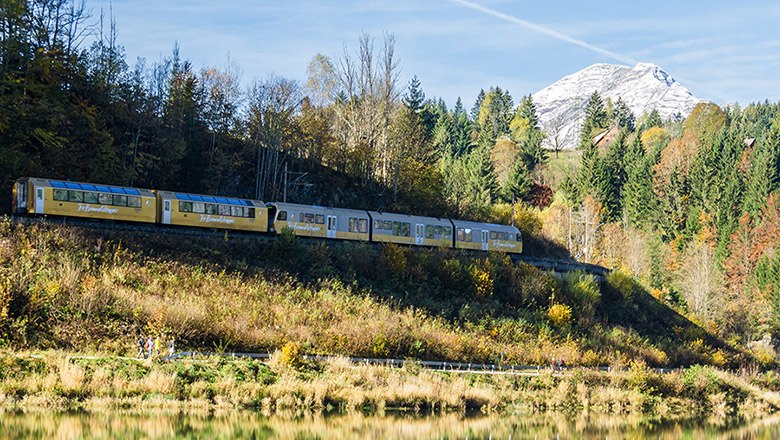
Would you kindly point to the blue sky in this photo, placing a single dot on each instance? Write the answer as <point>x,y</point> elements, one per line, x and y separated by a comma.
<point>722,51</point>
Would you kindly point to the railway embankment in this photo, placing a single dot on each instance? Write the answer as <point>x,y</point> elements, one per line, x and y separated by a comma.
<point>76,290</point>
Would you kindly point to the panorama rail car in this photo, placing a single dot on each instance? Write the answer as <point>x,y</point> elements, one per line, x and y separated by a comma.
<point>32,196</point>
<point>70,199</point>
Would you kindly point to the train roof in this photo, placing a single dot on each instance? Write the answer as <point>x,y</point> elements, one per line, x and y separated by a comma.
<point>94,187</point>
<point>317,209</point>
<point>202,198</point>
<point>409,218</point>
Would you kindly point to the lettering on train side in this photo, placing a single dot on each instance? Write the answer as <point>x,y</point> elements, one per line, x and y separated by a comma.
<point>206,218</point>
<point>86,207</point>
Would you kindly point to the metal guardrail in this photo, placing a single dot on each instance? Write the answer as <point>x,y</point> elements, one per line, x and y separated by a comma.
<point>465,367</point>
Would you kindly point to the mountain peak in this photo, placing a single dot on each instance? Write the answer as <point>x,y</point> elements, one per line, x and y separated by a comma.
<point>643,88</point>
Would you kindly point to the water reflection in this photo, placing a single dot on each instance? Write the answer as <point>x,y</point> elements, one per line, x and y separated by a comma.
<point>116,425</point>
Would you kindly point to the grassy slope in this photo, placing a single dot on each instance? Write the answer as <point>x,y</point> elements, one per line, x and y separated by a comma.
<point>557,166</point>
<point>69,288</point>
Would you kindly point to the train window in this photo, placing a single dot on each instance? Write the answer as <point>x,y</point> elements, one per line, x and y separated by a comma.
<point>106,199</point>
<point>211,208</point>
<point>519,237</point>
<point>319,219</point>
<point>308,218</point>
<point>133,201</point>
<point>237,211</point>
<point>120,200</point>
<point>282,216</point>
<point>402,229</point>
<point>185,206</point>
<point>250,212</point>
<point>198,207</point>
<point>377,224</point>
<point>223,209</point>
<point>388,225</point>
<point>437,230</point>
<point>61,195</point>
<point>446,231</point>
<point>429,231</point>
<point>467,235</point>
<point>352,224</point>
<point>300,217</point>
<point>75,196</point>
<point>90,197</point>
<point>363,225</point>
<point>461,234</point>
<point>493,235</point>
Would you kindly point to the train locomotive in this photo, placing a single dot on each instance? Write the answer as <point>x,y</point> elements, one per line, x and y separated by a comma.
<point>36,197</point>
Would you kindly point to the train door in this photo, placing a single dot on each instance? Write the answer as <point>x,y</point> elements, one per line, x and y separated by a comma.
<point>38,200</point>
<point>166,216</point>
<point>331,232</point>
<point>20,199</point>
<point>484,240</point>
<point>419,234</point>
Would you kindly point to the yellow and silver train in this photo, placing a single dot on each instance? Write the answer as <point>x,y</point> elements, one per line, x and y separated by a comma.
<point>32,196</point>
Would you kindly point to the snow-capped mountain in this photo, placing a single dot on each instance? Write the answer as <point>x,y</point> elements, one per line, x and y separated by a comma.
<point>643,88</point>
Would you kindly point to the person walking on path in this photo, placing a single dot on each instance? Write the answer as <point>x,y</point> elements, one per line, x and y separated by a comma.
<point>141,342</point>
<point>172,346</point>
<point>149,346</point>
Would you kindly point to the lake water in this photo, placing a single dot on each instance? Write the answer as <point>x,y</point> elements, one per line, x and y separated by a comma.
<point>115,425</point>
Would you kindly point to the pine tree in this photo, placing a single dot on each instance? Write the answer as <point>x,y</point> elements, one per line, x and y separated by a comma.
<point>494,116</point>
<point>763,174</point>
<point>482,182</point>
<point>595,117</point>
<point>458,109</point>
<point>589,162</point>
<point>527,134</point>
<point>653,120</point>
<point>477,105</point>
<point>615,167</point>
<point>415,97</point>
<point>622,117</point>
<point>443,137</point>
<point>637,195</point>
<point>518,182</point>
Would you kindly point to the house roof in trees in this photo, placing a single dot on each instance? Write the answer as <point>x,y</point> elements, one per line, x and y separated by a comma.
<point>604,139</point>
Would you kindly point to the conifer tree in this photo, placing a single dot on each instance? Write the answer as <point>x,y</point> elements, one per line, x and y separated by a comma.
<point>518,182</point>
<point>653,120</point>
<point>637,195</point>
<point>622,117</point>
<point>595,117</point>
<point>482,182</point>
<point>477,105</point>
<point>589,162</point>
<point>415,97</point>
<point>616,177</point>
<point>763,173</point>
<point>527,133</point>
<point>495,115</point>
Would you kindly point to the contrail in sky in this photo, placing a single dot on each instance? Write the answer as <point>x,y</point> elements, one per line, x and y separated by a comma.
<point>544,30</point>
